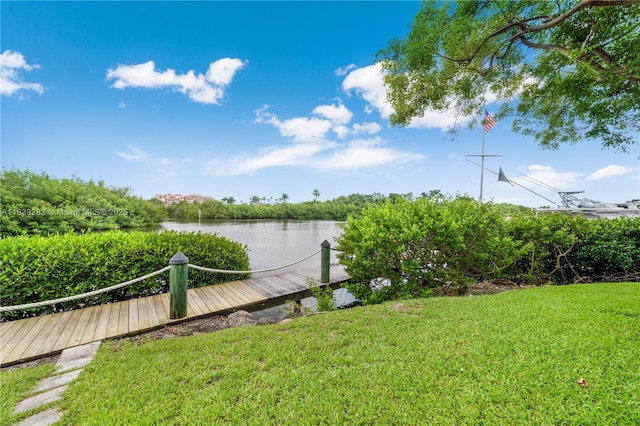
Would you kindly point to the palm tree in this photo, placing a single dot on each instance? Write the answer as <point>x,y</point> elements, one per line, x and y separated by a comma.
<point>284,197</point>
<point>316,195</point>
<point>228,200</point>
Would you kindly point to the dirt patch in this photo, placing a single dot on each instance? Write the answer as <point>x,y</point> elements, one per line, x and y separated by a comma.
<point>477,289</point>
<point>187,328</point>
<point>51,359</point>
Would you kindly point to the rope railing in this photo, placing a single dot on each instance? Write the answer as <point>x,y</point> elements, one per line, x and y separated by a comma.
<point>152,274</point>
<point>83,295</point>
<point>255,271</point>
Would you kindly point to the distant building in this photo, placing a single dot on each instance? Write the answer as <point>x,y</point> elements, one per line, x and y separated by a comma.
<point>168,199</point>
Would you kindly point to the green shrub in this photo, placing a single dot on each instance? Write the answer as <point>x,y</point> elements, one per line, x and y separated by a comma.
<point>324,296</point>
<point>38,204</point>
<point>610,251</point>
<point>45,268</point>
<point>546,240</point>
<point>402,249</point>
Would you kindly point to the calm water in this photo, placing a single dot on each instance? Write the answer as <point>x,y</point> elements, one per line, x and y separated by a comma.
<point>274,243</point>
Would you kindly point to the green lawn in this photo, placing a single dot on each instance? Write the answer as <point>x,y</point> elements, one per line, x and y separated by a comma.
<point>510,358</point>
<point>14,387</point>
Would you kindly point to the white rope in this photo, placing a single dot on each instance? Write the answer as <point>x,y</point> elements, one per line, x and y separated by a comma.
<point>81,296</point>
<point>222,271</point>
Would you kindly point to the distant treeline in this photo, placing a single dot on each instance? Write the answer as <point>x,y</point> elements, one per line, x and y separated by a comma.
<point>339,208</point>
<point>38,204</point>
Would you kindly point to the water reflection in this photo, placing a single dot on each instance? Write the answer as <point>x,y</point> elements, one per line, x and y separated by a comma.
<point>274,243</point>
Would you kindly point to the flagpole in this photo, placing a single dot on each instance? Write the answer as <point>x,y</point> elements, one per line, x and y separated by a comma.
<point>488,122</point>
<point>482,166</point>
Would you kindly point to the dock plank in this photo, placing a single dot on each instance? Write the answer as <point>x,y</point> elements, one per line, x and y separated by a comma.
<point>40,336</point>
<point>92,324</point>
<point>230,295</point>
<point>10,329</point>
<point>143,314</point>
<point>103,322</point>
<point>123,318</point>
<point>161,308</point>
<point>198,304</point>
<point>76,337</point>
<point>63,338</point>
<point>215,296</point>
<point>56,331</point>
<point>114,319</point>
<point>30,338</point>
<point>151,312</point>
<point>134,325</point>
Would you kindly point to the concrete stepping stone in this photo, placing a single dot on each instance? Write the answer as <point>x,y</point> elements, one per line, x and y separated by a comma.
<point>56,381</point>
<point>43,418</point>
<point>77,357</point>
<point>71,361</point>
<point>40,399</point>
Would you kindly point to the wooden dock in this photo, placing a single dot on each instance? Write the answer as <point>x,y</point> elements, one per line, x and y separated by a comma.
<point>32,338</point>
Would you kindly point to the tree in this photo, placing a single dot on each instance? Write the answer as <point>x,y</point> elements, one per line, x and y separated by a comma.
<point>567,70</point>
<point>316,195</point>
<point>229,200</point>
<point>284,197</point>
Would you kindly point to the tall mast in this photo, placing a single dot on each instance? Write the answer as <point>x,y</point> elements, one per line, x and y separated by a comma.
<point>482,155</point>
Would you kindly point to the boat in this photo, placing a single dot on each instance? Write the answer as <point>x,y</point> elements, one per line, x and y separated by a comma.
<point>593,209</point>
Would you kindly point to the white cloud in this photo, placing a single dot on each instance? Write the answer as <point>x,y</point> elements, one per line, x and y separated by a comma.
<point>311,146</point>
<point>609,171</point>
<point>11,80</point>
<point>305,129</point>
<point>344,70</point>
<point>293,155</point>
<point>221,72</point>
<point>139,156</point>
<point>201,88</point>
<point>134,154</point>
<point>364,153</point>
<point>368,83</point>
<point>367,127</point>
<point>337,114</point>
<point>300,129</point>
<point>548,176</point>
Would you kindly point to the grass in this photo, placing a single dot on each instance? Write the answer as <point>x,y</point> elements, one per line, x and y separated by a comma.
<point>14,387</point>
<point>548,355</point>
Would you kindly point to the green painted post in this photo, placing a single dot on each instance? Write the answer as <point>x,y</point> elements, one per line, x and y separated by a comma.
<point>325,256</point>
<point>178,286</point>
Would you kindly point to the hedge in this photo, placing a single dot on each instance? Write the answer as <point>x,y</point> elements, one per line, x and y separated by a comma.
<point>39,268</point>
<point>406,248</point>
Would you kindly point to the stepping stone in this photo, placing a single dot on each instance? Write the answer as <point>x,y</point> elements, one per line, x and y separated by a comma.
<point>39,399</point>
<point>43,418</point>
<point>55,381</point>
<point>77,357</point>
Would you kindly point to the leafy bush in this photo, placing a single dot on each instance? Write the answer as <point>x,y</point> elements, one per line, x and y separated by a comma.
<point>546,240</point>
<point>37,204</point>
<point>45,268</point>
<point>324,295</point>
<point>610,251</point>
<point>403,249</point>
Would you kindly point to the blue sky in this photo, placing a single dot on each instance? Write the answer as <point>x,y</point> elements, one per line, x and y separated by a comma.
<point>251,98</point>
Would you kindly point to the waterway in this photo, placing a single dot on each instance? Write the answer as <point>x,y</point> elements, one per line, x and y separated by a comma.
<point>272,243</point>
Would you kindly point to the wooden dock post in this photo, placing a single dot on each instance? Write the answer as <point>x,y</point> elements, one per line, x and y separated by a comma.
<point>178,286</point>
<point>325,262</point>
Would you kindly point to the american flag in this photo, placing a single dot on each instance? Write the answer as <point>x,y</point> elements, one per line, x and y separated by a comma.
<point>489,122</point>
